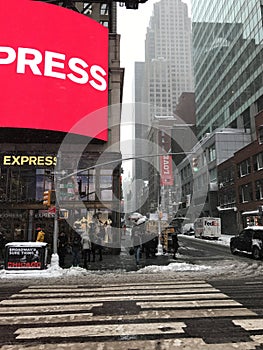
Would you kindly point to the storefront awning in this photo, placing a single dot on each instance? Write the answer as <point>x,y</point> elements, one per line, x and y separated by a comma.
<point>251,212</point>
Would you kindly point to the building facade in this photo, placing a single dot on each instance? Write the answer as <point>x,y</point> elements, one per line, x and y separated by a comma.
<point>197,176</point>
<point>22,183</point>
<point>227,54</point>
<point>241,185</point>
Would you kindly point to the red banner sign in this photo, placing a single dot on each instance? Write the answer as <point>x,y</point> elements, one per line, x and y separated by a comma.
<point>53,69</point>
<point>166,171</point>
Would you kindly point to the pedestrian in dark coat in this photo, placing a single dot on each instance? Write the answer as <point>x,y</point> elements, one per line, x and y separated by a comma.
<point>62,248</point>
<point>175,244</point>
<point>76,249</point>
<point>2,245</point>
<point>137,243</point>
<point>97,236</point>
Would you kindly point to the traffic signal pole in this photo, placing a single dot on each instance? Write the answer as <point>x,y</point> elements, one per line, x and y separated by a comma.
<point>54,256</point>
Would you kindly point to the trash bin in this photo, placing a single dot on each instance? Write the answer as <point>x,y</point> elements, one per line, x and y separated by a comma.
<point>25,256</point>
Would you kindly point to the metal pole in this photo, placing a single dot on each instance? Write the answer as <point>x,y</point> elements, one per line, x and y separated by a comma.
<point>54,257</point>
<point>55,234</point>
<point>159,247</point>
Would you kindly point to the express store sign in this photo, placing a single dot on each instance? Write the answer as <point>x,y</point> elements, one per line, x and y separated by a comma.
<point>53,69</point>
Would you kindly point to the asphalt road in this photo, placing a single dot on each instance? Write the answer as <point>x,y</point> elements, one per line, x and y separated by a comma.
<point>153,315</point>
<point>165,311</point>
<point>199,249</point>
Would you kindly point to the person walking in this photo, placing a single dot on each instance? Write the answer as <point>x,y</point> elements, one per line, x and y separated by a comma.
<point>40,235</point>
<point>175,244</point>
<point>97,236</point>
<point>107,226</point>
<point>137,243</point>
<point>124,228</point>
<point>86,249</point>
<point>76,249</point>
<point>62,248</point>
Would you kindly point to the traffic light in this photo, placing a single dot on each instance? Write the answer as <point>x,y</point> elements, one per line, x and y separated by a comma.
<point>195,164</point>
<point>47,198</point>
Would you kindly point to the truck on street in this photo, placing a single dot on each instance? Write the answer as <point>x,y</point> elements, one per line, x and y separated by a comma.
<point>207,227</point>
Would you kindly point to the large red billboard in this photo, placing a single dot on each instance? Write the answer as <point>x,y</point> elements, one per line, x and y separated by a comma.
<point>53,69</point>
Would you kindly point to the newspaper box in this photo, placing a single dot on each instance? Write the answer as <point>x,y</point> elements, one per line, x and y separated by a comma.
<point>25,256</point>
<point>167,239</point>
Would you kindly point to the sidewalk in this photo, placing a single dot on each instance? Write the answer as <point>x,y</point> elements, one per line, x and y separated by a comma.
<point>123,261</point>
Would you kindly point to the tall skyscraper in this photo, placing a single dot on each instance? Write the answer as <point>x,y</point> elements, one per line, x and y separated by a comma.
<point>168,58</point>
<point>228,52</point>
<point>168,72</point>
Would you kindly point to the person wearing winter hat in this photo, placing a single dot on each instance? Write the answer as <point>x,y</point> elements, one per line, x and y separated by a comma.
<point>40,235</point>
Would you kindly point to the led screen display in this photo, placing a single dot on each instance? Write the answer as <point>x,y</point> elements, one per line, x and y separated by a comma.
<point>53,69</point>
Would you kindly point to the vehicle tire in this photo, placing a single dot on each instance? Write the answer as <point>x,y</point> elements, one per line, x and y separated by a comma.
<point>256,253</point>
<point>233,250</point>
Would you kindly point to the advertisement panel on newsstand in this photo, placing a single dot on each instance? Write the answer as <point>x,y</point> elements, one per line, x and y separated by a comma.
<point>25,256</point>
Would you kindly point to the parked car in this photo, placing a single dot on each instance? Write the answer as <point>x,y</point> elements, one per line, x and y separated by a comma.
<point>249,241</point>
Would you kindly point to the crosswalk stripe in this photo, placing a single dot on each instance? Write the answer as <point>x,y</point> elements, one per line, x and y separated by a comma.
<point>47,308</point>
<point>211,312</point>
<point>250,325</point>
<point>188,304</point>
<point>142,316</point>
<point>258,339</point>
<point>98,331</point>
<point>37,319</point>
<point>158,297</point>
<point>112,293</point>
<point>116,288</point>
<point>122,285</point>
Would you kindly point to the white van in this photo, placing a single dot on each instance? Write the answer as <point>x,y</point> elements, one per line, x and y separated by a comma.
<point>207,227</point>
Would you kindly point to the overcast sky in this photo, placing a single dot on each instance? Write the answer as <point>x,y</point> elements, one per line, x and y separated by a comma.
<point>132,26</point>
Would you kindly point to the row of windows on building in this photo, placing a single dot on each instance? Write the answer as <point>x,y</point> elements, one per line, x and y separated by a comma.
<point>244,168</point>
<point>228,199</point>
<point>252,191</point>
<point>27,185</point>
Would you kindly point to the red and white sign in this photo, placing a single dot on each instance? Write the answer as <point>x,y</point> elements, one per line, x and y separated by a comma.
<point>53,69</point>
<point>166,171</point>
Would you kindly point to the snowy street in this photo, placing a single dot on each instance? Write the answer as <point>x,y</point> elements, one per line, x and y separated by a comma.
<point>196,259</point>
